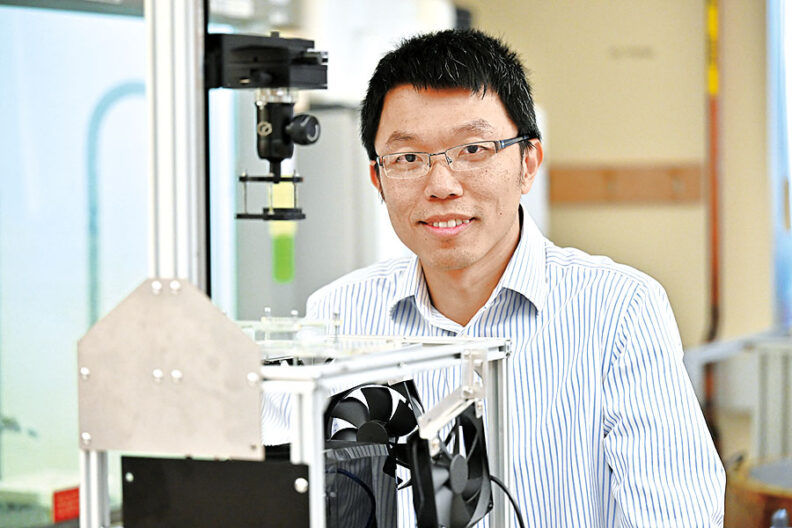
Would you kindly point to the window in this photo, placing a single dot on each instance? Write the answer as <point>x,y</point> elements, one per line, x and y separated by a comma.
<point>73,228</point>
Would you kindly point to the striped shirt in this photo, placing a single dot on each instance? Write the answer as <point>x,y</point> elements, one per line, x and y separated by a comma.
<point>606,430</point>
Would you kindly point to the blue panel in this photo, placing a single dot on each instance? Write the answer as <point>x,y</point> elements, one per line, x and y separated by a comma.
<point>779,65</point>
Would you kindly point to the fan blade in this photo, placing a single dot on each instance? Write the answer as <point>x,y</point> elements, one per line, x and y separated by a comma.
<point>472,488</point>
<point>410,393</point>
<point>402,422</point>
<point>472,444</point>
<point>379,401</point>
<point>459,513</point>
<point>401,388</point>
<point>439,476</point>
<point>351,410</point>
<point>443,500</point>
<point>348,434</point>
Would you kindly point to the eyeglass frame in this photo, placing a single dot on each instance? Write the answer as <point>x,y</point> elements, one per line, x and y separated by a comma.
<point>500,144</point>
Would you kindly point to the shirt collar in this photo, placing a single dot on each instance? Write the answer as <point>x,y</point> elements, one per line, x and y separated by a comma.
<point>525,273</point>
<point>409,283</point>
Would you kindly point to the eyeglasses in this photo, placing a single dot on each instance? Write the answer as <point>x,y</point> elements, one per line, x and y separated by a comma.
<point>410,165</point>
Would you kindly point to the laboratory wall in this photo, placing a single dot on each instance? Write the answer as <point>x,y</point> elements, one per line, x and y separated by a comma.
<point>625,84</point>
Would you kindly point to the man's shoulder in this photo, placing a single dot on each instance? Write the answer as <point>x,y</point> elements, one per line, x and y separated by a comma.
<point>572,264</point>
<point>376,279</point>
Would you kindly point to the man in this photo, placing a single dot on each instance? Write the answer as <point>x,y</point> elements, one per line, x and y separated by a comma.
<point>606,429</point>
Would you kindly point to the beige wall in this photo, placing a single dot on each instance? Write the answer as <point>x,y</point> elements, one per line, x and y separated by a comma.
<point>624,82</point>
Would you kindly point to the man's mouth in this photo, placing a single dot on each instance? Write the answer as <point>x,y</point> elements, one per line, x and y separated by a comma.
<point>447,225</point>
<point>450,223</point>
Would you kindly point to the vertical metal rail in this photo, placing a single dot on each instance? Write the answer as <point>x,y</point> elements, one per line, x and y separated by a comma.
<point>177,195</point>
<point>307,446</point>
<point>499,431</point>
<point>175,90</point>
<point>94,495</point>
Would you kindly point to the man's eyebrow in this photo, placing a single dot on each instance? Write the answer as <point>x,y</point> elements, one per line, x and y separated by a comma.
<point>399,136</point>
<point>478,126</point>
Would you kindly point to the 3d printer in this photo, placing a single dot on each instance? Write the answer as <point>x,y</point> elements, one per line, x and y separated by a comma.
<point>167,374</point>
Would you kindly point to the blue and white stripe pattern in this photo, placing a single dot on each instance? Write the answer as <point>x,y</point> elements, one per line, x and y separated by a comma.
<point>606,429</point>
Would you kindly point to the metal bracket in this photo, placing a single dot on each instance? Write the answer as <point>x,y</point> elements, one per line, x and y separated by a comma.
<point>472,391</point>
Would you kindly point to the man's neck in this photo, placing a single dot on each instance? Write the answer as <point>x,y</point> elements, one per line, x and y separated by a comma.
<point>460,293</point>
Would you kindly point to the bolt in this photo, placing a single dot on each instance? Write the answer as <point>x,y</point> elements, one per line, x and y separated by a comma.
<point>176,375</point>
<point>264,128</point>
<point>86,438</point>
<point>158,375</point>
<point>156,287</point>
<point>85,373</point>
<point>301,485</point>
<point>175,286</point>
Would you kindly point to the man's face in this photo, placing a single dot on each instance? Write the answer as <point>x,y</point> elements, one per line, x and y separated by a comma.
<point>483,202</point>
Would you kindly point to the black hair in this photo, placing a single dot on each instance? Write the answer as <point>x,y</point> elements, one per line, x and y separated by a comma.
<point>454,58</point>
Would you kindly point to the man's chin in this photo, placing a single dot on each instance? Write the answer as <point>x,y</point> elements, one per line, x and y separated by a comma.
<point>446,261</point>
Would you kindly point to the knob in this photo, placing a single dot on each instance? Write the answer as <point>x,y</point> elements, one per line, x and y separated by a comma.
<point>303,129</point>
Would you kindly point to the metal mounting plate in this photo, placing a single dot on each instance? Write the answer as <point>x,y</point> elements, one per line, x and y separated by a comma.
<point>167,372</point>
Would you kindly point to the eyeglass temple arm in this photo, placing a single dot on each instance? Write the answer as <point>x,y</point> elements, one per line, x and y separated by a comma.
<point>502,144</point>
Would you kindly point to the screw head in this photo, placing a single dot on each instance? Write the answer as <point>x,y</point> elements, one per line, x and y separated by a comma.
<point>176,375</point>
<point>158,375</point>
<point>264,128</point>
<point>175,286</point>
<point>252,378</point>
<point>85,373</point>
<point>85,438</point>
<point>156,287</point>
<point>301,485</point>
<point>129,477</point>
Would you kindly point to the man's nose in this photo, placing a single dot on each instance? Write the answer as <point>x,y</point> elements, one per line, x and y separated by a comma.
<point>441,181</point>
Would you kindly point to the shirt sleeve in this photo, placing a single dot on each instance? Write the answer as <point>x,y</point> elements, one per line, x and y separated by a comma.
<point>664,468</point>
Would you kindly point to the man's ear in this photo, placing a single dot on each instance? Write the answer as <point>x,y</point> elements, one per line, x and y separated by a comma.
<point>532,159</point>
<point>375,179</point>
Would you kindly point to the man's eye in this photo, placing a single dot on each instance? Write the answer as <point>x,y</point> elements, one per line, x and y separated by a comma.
<point>475,151</point>
<point>406,158</point>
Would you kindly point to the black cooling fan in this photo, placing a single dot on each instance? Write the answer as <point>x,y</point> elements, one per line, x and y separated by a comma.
<point>452,489</point>
<point>381,414</point>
